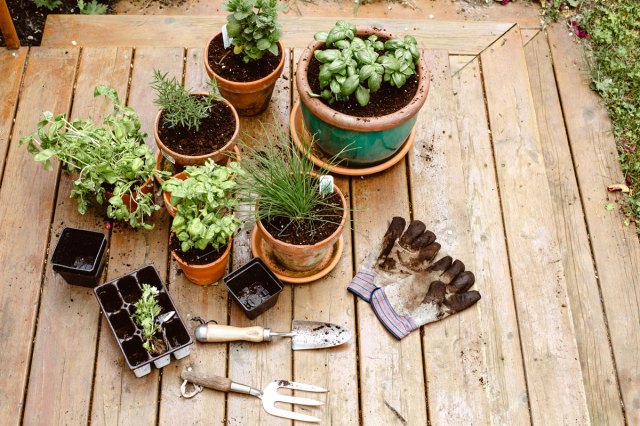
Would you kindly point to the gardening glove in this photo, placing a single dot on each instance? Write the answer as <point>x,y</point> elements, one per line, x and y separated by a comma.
<point>406,286</point>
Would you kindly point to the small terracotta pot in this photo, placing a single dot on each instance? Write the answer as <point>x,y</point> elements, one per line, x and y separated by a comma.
<point>146,188</point>
<point>304,257</point>
<point>249,97</point>
<point>360,142</point>
<point>208,273</point>
<point>166,196</point>
<point>218,156</point>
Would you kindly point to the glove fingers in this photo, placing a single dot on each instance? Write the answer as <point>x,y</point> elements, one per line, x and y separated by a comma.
<point>462,282</point>
<point>441,265</point>
<point>393,233</point>
<point>423,258</point>
<point>460,302</point>
<point>423,240</point>
<point>415,229</point>
<point>456,268</point>
<point>436,294</point>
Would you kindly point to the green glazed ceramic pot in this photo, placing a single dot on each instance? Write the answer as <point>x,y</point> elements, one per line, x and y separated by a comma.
<point>358,141</point>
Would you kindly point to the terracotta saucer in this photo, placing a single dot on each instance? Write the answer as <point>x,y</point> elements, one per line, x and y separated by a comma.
<point>321,159</point>
<point>261,250</point>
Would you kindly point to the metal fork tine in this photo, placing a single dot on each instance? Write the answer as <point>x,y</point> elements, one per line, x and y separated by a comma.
<point>299,401</point>
<point>301,387</point>
<point>291,415</point>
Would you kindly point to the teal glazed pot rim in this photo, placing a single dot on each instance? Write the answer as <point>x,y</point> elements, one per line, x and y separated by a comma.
<point>349,122</point>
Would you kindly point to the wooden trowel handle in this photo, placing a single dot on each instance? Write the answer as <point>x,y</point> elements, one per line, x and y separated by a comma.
<point>212,382</point>
<point>226,333</point>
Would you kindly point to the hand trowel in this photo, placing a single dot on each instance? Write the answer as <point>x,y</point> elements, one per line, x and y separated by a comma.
<point>304,334</point>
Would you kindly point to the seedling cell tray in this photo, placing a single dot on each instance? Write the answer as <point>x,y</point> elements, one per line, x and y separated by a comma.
<point>117,300</point>
<point>254,287</point>
<point>79,256</point>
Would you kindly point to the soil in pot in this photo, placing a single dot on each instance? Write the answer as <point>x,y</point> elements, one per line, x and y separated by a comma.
<point>214,133</point>
<point>387,100</point>
<point>195,256</point>
<point>232,67</point>
<point>309,232</point>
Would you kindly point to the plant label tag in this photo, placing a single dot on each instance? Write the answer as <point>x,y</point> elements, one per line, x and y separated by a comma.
<point>226,40</point>
<point>326,185</point>
<point>168,157</point>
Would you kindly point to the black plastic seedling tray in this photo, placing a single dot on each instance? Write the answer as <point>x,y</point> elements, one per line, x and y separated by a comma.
<point>79,256</point>
<point>117,299</point>
<point>254,287</point>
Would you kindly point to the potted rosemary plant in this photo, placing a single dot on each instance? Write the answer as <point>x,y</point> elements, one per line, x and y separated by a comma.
<point>297,217</point>
<point>204,219</point>
<point>247,58</point>
<point>360,91</point>
<point>192,127</point>
<point>112,162</point>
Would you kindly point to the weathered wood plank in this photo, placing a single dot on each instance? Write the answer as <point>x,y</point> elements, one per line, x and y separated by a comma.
<point>554,377</point>
<point>327,300</point>
<point>11,68</point>
<point>465,37</point>
<point>615,246</point>
<point>458,62</point>
<point>529,35</point>
<point>69,313</point>
<point>392,384</point>
<point>584,295</point>
<point>503,380</point>
<point>119,397</point>
<point>258,364</point>
<point>24,222</point>
<point>192,300</point>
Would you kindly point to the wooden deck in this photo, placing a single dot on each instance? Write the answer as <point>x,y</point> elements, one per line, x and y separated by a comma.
<point>512,157</point>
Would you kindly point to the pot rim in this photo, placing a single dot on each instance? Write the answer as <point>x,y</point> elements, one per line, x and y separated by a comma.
<point>163,147</point>
<point>181,262</point>
<point>167,198</point>
<point>321,243</point>
<point>350,122</point>
<point>260,81</point>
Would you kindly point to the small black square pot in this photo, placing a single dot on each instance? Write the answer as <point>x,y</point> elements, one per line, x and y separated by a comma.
<point>254,287</point>
<point>79,256</point>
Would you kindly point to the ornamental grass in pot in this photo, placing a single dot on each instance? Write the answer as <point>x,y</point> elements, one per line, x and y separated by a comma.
<point>193,127</point>
<point>299,218</point>
<point>248,66</point>
<point>204,219</point>
<point>360,91</point>
<point>110,160</point>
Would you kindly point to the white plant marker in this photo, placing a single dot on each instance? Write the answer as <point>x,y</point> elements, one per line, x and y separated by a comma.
<point>226,40</point>
<point>326,185</point>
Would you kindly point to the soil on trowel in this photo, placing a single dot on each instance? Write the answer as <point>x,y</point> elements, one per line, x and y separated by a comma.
<point>232,67</point>
<point>308,232</point>
<point>215,132</point>
<point>195,256</point>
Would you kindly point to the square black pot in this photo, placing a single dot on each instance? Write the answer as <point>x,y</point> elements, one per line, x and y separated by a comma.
<point>79,256</point>
<point>254,287</point>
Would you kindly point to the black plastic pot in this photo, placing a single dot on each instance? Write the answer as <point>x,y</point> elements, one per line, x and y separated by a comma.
<point>117,299</point>
<point>79,256</point>
<point>254,287</point>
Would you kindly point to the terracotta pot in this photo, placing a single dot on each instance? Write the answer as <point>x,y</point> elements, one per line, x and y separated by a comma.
<point>166,196</point>
<point>218,156</point>
<point>354,140</point>
<point>250,97</point>
<point>304,257</point>
<point>146,188</point>
<point>208,273</point>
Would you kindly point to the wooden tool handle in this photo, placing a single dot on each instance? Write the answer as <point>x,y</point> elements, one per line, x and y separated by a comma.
<point>227,333</point>
<point>213,382</point>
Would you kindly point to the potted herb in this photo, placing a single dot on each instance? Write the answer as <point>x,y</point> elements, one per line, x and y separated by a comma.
<point>146,313</point>
<point>112,162</point>
<point>298,218</point>
<point>204,219</point>
<point>193,127</point>
<point>360,91</point>
<point>248,67</point>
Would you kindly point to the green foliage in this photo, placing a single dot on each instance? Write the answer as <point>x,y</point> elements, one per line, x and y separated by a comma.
<point>92,8</point>
<point>49,4</point>
<point>281,179</point>
<point>113,155</point>
<point>205,205</point>
<point>179,107</point>
<point>147,310</point>
<point>358,66</point>
<point>254,26</point>
<point>614,31</point>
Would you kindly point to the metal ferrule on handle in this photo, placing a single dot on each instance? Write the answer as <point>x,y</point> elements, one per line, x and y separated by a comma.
<point>240,388</point>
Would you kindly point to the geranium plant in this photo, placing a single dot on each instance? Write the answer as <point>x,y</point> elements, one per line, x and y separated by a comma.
<point>204,205</point>
<point>254,27</point>
<point>147,311</point>
<point>352,65</point>
<point>109,158</point>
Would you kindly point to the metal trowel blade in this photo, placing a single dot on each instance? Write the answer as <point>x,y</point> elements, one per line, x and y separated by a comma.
<point>315,335</point>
